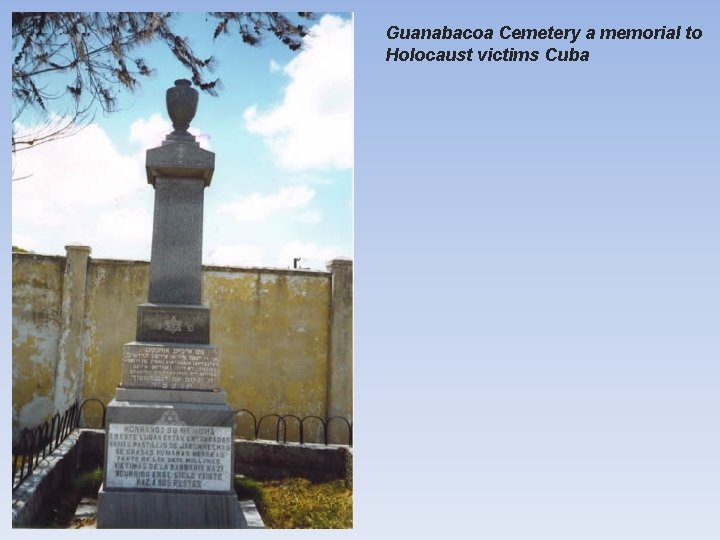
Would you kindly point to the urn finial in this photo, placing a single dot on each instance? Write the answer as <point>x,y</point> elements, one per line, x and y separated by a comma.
<point>181,101</point>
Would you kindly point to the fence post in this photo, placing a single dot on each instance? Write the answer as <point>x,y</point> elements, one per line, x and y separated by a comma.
<point>68,375</point>
<point>340,364</point>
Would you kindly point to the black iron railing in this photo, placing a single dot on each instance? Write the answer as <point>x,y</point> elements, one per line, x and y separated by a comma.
<point>301,424</point>
<point>34,444</point>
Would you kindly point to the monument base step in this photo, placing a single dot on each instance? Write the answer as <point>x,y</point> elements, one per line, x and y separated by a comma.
<point>196,408</point>
<point>218,397</point>
<point>138,509</point>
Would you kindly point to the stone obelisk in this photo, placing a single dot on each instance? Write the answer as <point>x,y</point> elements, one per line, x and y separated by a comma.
<point>169,430</point>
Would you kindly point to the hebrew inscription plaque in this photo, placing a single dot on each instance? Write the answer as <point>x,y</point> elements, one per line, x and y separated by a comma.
<point>171,367</point>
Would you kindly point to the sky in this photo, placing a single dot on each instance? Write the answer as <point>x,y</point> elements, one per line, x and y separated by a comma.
<point>282,132</point>
<point>536,262</point>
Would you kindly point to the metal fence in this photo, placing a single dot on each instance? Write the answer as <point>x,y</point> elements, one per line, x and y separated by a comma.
<point>299,425</point>
<point>34,444</point>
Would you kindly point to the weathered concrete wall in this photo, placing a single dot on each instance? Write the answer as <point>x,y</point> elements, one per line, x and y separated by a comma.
<point>316,462</point>
<point>36,330</point>
<point>274,329</point>
<point>114,289</point>
<point>340,376</point>
<point>33,500</point>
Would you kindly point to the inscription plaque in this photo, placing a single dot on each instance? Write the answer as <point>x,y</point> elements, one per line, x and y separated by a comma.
<point>166,323</point>
<point>171,367</point>
<point>169,457</point>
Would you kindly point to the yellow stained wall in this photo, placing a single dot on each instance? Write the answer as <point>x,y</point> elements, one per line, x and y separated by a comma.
<point>36,328</point>
<point>114,289</point>
<point>271,327</point>
<point>272,330</point>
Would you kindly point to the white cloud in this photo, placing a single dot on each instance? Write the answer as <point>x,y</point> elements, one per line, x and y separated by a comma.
<point>83,188</point>
<point>24,241</point>
<point>126,225</point>
<point>257,208</point>
<point>237,254</point>
<point>311,253</point>
<point>72,177</point>
<point>312,127</point>
<point>311,216</point>
<point>150,132</point>
<point>275,67</point>
<point>308,178</point>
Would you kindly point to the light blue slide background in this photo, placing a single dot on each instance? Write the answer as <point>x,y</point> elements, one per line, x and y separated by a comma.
<point>538,307</point>
<point>537,264</point>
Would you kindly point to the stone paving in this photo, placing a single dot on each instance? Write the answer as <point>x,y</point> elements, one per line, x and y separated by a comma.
<point>85,515</point>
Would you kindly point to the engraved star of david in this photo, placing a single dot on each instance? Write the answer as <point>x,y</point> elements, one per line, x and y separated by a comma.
<point>170,418</point>
<point>173,325</point>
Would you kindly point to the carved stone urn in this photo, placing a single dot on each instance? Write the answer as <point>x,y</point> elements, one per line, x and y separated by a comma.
<point>181,101</point>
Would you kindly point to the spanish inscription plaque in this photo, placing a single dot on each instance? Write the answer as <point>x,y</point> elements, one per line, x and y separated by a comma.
<point>171,367</point>
<point>168,457</point>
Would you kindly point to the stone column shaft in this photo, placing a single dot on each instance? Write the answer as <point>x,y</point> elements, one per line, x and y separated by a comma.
<point>179,172</point>
<point>176,260</point>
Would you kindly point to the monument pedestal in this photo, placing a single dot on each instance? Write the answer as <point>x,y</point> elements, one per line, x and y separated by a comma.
<point>169,449</point>
<point>168,463</point>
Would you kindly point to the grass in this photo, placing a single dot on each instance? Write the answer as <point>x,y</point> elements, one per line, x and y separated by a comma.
<point>250,489</point>
<point>297,503</point>
<point>291,503</point>
<point>88,483</point>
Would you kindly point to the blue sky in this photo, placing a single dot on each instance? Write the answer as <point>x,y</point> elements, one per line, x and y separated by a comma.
<point>282,132</point>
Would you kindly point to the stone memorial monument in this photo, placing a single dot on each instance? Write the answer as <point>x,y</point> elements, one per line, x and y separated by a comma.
<point>169,430</point>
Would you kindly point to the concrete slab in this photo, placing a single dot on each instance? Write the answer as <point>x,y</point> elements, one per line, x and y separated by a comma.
<point>250,518</point>
<point>86,508</point>
<point>167,510</point>
<point>86,515</point>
